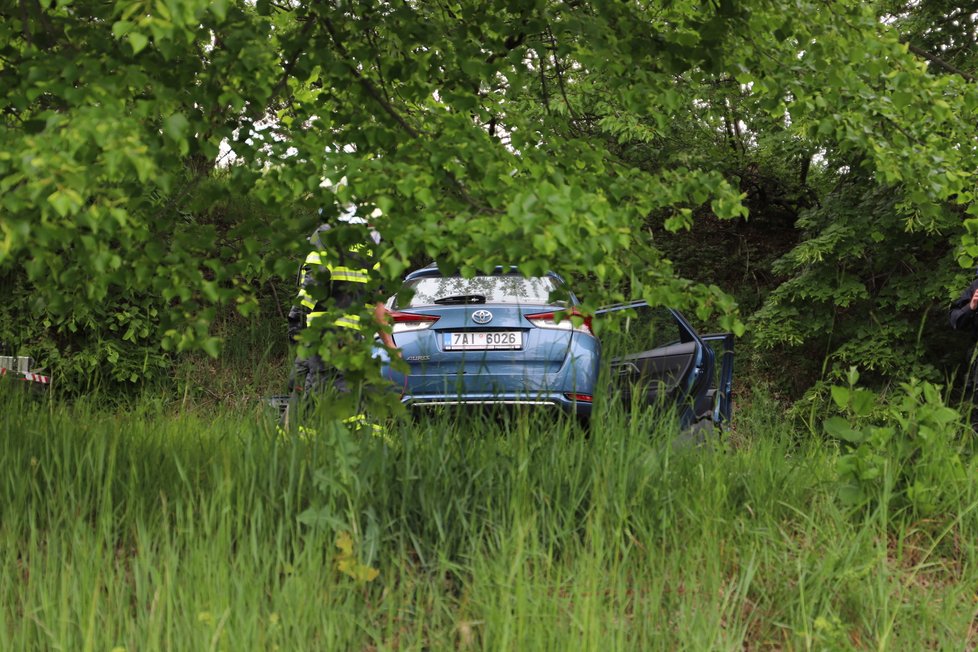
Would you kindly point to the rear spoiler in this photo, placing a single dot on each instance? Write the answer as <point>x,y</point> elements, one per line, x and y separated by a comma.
<point>18,367</point>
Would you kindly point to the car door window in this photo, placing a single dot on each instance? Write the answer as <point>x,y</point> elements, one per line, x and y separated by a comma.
<point>655,356</point>
<point>638,329</point>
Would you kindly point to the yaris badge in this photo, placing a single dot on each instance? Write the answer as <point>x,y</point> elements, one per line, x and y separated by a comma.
<point>482,316</point>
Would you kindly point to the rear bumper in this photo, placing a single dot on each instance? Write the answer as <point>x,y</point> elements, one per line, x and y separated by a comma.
<point>552,400</point>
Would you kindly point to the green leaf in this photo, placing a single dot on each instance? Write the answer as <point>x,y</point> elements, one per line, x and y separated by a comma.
<point>681,220</point>
<point>852,494</point>
<point>385,203</point>
<point>211,346</point>
<point>840,429</point>
<point>841,396</point>
<point>219,8</point>
<point>945,415</point>
<point>121,28</point>
<point>322,517</point>
<point>175,126</point>
<point>863,402</point>
<point>137,41</point>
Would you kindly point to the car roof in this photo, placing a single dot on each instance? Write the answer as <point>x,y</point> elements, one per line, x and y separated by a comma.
<point>431,271</point>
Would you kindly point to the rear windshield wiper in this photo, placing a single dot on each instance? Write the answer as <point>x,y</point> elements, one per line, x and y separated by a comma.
<point>461,298</point>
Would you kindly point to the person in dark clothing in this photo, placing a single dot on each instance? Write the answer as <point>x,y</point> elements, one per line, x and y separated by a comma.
<point>963,310</point>
<point>963,316</point>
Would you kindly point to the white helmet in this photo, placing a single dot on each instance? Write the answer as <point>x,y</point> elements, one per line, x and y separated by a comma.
<point>350,216</point>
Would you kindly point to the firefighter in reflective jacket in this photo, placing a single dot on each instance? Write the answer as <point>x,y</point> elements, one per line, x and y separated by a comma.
<point>342,280</point>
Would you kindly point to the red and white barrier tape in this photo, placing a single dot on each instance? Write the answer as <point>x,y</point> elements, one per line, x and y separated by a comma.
<point>29,377</point>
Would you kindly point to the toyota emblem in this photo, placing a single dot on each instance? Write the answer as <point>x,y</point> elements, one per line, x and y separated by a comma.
<point>482,316</point>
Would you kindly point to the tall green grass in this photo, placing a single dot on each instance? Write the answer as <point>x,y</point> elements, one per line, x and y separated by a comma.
<point>143,531</point>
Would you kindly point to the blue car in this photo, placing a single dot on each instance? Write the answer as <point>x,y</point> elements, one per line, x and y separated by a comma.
<point>508,339</point>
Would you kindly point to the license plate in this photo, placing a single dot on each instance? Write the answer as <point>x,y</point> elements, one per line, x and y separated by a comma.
<point>483,341</point>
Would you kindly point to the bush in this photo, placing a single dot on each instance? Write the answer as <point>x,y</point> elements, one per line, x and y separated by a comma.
<point>911,449</point>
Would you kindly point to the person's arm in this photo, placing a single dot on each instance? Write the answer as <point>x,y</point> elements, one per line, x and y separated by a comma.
<point>380,316</point>
<point>300,308</point>
<point>962,312</point>
<point>297,322</point>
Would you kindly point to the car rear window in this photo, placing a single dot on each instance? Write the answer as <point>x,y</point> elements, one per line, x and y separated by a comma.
<point>501,288</point>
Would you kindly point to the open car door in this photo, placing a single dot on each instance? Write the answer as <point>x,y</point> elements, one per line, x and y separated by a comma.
<point>721,389</point>
<point>658,358</point>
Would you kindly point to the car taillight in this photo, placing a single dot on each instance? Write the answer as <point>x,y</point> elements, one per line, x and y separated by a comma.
<point>580,398</point>
<point>549,320</point>
<point>403,322</point>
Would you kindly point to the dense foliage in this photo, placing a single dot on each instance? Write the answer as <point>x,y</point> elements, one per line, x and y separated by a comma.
<point>812,162</point>
<point>550,134</point>
<point>878,258</point>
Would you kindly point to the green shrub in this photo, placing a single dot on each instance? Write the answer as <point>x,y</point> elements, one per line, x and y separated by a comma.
<point>910,449</point>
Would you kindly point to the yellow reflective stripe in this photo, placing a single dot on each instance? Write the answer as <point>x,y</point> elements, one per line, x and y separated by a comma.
<point>343,277</point>
<point>315,258</point>
<point>313,316</point>
<point>348,274</point>
<point>358,271</point>
<point>349,321</point>
<point>306,299</point>
<point>346,321</point>
<point>320,257</point>
<point>345,274</point>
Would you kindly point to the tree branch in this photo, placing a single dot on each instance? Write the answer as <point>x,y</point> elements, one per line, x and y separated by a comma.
<point>25,19</point>
<point>543,82</point>
<point>389,109</point>
<point>560,80</point>
<point>290,64</point>
<point>512,42</point>
<point>365,83</point>
<point>941,63</point>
